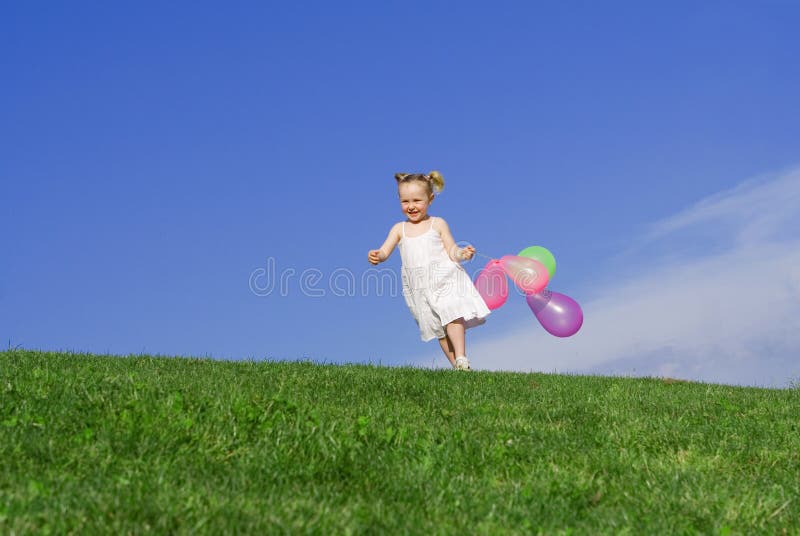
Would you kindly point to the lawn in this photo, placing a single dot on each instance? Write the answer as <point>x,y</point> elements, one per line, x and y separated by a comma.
<point>145,444</point>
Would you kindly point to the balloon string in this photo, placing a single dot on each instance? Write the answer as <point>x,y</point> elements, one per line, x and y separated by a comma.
<point>484,256</point>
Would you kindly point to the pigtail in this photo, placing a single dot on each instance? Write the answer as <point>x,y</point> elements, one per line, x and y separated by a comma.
<point>436,180</point>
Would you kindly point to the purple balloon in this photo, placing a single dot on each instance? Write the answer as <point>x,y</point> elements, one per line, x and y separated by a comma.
<point>559,314</point>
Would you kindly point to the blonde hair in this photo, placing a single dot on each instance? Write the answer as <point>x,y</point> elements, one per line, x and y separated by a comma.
<point>433,180</point>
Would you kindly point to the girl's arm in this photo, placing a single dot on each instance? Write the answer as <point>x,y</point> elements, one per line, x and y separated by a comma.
<point>456,254</point>
<point>377,256</point>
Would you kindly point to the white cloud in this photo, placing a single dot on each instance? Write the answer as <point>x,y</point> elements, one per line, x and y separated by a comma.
<point>756,210</point>
<point>730,316</point>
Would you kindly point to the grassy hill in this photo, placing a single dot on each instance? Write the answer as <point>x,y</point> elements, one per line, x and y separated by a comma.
<point>171,445</point>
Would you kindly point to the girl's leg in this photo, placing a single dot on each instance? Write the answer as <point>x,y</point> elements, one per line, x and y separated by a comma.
<point>455,333</point>
<point>447,348</point>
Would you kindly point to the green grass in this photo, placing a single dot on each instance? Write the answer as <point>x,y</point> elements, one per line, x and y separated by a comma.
<point>170,445</point>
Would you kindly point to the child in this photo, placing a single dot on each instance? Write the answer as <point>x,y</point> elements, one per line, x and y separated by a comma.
<point>437,290</point>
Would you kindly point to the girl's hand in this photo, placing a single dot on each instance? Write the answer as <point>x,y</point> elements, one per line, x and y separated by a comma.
<point>467,253</point>
<point>374,256</point>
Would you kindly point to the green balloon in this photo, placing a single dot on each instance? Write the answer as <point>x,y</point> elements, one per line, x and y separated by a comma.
<point>542,255</point>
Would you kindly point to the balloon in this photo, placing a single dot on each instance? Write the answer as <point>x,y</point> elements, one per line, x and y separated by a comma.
<point>530,275</point>
<point>492,284</point>
<point>538,253</point>
<point>559,314</point>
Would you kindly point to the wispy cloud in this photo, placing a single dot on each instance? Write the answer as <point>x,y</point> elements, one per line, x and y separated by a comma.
<point>765,208</point>
<point>729,312</point>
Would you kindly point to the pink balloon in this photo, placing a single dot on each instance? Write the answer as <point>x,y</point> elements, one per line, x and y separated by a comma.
<point>530,275</point>
<point>559,314</point>
<point>492,285</point>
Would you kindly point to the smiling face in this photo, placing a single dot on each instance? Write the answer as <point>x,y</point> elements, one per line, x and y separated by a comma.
<point>414,200</point>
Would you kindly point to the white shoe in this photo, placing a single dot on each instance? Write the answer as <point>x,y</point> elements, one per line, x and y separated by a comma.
<point>462,363</point>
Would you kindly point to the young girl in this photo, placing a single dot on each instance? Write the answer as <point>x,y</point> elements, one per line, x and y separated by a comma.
<point>436,288</point>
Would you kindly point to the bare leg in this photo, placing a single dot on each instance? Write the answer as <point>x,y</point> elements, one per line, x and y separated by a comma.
<point>447,348</point>
<point>455,333</point>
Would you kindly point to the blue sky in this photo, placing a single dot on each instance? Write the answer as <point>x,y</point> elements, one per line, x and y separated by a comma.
<point>154,156</point>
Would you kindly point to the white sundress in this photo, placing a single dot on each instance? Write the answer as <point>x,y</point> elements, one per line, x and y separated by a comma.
<point>437,290</point>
